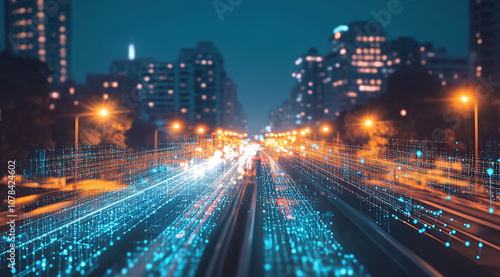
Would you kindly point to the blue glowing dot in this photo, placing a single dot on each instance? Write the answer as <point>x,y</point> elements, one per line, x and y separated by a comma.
<point>447,244</point>
<point>149,266</point>
<point>415,221</point>
<point>362,161</point>
<point>13,270</point>
<point>490,171</point>
<point>419,153</point>
<point>477,257</point>
<point>448,198</point>
<point>124,271</point>
<point>451,219</point>
<point>480,245</point>
<point>467,243</point>
<point>267,267</point>
<point>491,210</point>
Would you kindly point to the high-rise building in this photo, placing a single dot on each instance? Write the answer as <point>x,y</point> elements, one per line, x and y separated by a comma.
<point>229,105</point>
<point>307,94</point>
<point>449,69</point>
<point>40,29</point>
<point>404,55</point>
<point>167,91</point>
<point>355,69</point>
<point>484,38</point>
<point>208,72</point>
<point>191,88</point>
<point>280,117</point>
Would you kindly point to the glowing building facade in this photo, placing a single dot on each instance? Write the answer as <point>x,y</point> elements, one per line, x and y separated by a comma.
<point>40,29</point>
<point>166,90</point>
<point>193,88</point>
<point>307,94</point>
<point>484,39</point>
<point>356,68</point>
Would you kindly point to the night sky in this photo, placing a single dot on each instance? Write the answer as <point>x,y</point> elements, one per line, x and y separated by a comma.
<point>259,40</point>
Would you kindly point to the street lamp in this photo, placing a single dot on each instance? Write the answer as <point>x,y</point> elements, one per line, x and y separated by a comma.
<point>466,99</point>
<point>201,130</point>
<point>102,113</point>
<point>368,123</point>
<point>175,126</point>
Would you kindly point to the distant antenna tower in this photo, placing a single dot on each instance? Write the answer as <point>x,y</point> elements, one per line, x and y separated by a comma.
<point>131,52</point>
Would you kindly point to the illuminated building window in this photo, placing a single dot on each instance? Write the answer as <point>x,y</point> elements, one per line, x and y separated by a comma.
<point>139,86</point>
<point>326,111</point>
<point>76,102</point>
<point>54,95</point>
<point>105,84</point>
<point>71,90</point>
<point>184,110</point>
<point>62,17</point>
<point>443,83</point>
<point>342,51</point>
<point>62,79</point>
<point>151,86</point>
<point>146,78</point>
<point>310,92</point>
<point>203,85</point>
<point>204,97</point>
<point>480,41</point>
<point>114,84</point>
<point>151,104</point>
<point>105,96</point>
<point>170,91</point>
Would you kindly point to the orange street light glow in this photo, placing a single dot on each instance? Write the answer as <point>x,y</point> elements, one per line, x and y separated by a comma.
<point>325,129</point>
<point>103,112</point>
<point>464,99</point>
<point>368,123</point>
<point>176,126</point>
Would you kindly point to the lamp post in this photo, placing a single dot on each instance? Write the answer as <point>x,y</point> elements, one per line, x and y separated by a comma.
<point>102,113</point>
<point>476,131</point>
<point>175,126</point>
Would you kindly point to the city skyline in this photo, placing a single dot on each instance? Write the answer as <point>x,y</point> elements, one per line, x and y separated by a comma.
<point>248,28</point>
